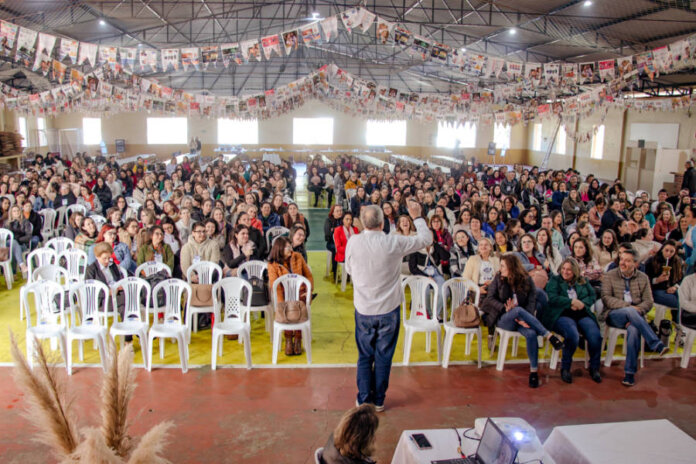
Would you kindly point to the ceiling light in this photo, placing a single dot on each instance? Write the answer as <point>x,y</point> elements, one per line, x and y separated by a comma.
<point>513,31</point>
<point>102,22</point>
<point>588,3</point>
<point>315,15</point>
<point>463,49</point>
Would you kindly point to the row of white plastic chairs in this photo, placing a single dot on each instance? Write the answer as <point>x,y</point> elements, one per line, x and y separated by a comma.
<point>424,295</point>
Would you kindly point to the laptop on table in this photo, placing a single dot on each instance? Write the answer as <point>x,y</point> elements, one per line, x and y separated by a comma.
<point>494,448</point>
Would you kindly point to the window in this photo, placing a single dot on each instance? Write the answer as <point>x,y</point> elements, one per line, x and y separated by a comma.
<point>598,143</point>
<point>449,136</point>
<point>386,133</point>
<point>91,131</point>
<point>167,131</point>
<point>237,131</point>
<point>41,127</point>
<point>560,147</point>
<point>501,136</point>
<point>312,131</point>
<point>22,129</point>
<point>536,140</point>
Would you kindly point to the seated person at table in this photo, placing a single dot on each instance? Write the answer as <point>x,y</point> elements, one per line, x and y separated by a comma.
<point>570,298</point>
<point>511,304</point>
<point>353,440</point>
<point>627,298</point>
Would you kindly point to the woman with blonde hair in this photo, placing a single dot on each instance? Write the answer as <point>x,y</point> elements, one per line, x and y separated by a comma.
<point>353,440</point>
<point>482,267</point>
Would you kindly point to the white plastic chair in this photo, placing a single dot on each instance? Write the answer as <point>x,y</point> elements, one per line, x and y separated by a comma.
<point>61,219</point>
<point>50,317</point>
<point>135,320</point>
<point>459,288</point>
<point>6,240</point>
<point>256,269</point>
<point>208,273</point>
<point>689,338</point>
<point>76,208</point>
<point>99,220</point>
<point>660,311</point>
<point>177,293</point>
<point>328,263</point>
<point>341,269</point>
<point>556,354</point>
<point>60,244</point>
<point>292,285</point>
<point>611,336</point>
<point>505,337</point>
<point>418,320</point>
<point>51,272</point>
<point>35,259</point>
<point>75,262</point>
<point>274,232</point>
<point>151,267</point>
<point>91,298</point>
<point>48,221</point>
<point>318,455</point>
<point>236,306</point>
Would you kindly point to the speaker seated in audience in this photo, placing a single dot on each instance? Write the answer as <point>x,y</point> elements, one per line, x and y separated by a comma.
<point>198,248</point>
<point>569,313</point>
<point>627,299</point>
<point>510,304</point>
<point>283,260</point>
<point>353,440</point>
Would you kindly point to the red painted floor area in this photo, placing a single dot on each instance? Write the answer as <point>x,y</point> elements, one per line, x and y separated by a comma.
<point>282,415</point>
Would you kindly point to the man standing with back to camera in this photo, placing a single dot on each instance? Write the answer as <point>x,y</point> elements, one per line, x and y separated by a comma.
<point>373,260</point>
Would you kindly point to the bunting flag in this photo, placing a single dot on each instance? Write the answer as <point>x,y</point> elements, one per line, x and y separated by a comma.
<point>587,72</point>
<point>474,64</point>
<point>26,41</point>
<point>662,58</point>
<point>439,52</point>
<point>189,57</point>
<point>43,53</point>
<point>58,71</point>
<point>128,56</point>
<point>68,48</point>
<point>570,73</point>
<point>148,59</point>
<point>494,66</point>
<point>645,65</point>
<point>552,73</point>
<point>330,27</point>
<point>231,53</point>
<point>107,55</point>
<point>76,77</point>
<point>310,33</point>
<point>250,50</point>
<point>291,41</point>
<point>366,20</point>
<point>402,36</point>
<point>8,33</point>
<point>533,73</point>
<point>384,30</point>
<point>420,47</point>
<point>678,50</point>
<point>514,69</point>
<point>606,70</point>
<point>88,53</point>
<point>270,44</point>
<point>209,55</point>
<point>170,58</point>
<point>352,18</point>
<point>625,65</point>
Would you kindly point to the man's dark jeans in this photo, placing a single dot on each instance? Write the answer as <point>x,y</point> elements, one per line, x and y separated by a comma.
<point>376,338</point>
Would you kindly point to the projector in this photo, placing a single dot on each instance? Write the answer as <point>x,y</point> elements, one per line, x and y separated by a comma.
<point>519,432</point>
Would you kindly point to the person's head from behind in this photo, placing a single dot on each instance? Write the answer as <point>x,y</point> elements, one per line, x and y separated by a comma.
<point>372,217</point>
<point>354,436</point>
<point>103,251</point>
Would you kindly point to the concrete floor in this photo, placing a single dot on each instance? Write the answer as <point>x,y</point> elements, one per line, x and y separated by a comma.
<point>282,415</point>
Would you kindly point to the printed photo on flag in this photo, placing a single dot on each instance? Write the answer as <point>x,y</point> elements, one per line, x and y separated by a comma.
<point>26,41</point>
<point>231,53</point>
<point>384,30</point>
<point>291,41</point>
<point>8,33</point>
<point>587,72</point>
<point>606,70</point>
<point>209,55</point>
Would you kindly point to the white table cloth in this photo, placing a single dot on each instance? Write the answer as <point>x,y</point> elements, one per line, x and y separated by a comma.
<point>649,442</point>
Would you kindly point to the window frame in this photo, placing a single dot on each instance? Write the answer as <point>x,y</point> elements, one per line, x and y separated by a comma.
<point>465,129</point>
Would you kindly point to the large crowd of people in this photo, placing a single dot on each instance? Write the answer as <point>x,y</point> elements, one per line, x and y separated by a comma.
<point>553,252</point>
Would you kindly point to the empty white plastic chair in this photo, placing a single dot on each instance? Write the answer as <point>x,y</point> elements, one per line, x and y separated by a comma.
<point>49,303</point>
<point>292,286</point>
<point>60,244</point>
<point>341,269</point>
<point>6,240</point>
<point>74,261</point>
<point>208,273</point>
<point>418,320</point>
<point>76,208</point>
<point>459,289</point>
<point>51,272</point>
<point>273,233</point>
<point>256,269</point>
<point>177,298</point>
<point>135,320</point>
<point>233,294</point>
<point>99,220</point>
<point>689,338</point>
<point>35,259</point>
<point>61,219</point>
<point>48,223</point>
<point>88,305</point>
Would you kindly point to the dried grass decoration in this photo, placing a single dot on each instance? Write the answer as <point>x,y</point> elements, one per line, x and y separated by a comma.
<point>51,410</point>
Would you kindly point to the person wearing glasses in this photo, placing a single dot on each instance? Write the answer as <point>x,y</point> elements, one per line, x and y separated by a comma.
<point>198,248</point>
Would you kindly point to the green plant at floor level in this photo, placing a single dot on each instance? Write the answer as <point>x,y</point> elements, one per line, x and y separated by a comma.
<point>51,410</point>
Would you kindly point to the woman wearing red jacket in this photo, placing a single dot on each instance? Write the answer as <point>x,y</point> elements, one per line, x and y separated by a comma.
<point>342,235</point>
